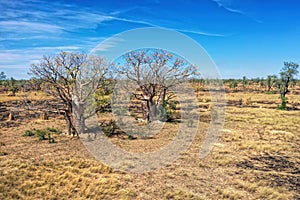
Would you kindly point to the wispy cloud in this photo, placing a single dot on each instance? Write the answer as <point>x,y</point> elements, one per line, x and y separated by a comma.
<point>224,4</point>
<point>30,29</point>
<point>28,26</point>
<point>51,17</point>
<point>134,21</point>
<point>201,33</point>
<point>228,5</point>
<point>20,58</point>
<point>60,48</point>
<point>107,44</point>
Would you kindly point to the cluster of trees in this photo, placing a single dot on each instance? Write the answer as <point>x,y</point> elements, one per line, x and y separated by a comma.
<point>76,79</point>
<point>270,84</point>
<point>11,84</point>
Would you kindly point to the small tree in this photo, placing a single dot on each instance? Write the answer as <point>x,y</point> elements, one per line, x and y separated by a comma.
<point>271,82</point>
<point>289,70</point>
<point>13,86</point>
<point>35,84</point>
<point>245,82</point>
<point>3,81</point>
<point>233,84</point>
<point>66,77</point>
<point>2,76</point>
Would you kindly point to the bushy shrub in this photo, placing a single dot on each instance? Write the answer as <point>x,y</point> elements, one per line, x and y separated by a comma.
<point>42,134</point>
<point>283,106</point>
<point>169,110</point>
<point>28,133</point>
<point>110,128</point>
<point>53,130</point>
<point>271,92</point>
<point>103,104</point>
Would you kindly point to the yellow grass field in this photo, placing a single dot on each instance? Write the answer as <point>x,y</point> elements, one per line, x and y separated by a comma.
<point>257,157</point>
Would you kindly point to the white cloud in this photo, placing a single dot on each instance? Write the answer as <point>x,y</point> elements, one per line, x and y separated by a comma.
<point>134,21</point>
<point>14,26</point>
<point>22,58</point>
<point>226,4</point>
<point>107,44</point>
<point>60,48</point>
<point>229,6</point>
<point>201,33</point>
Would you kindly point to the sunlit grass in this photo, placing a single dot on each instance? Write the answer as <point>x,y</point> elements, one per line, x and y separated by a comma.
<point>31,169</point>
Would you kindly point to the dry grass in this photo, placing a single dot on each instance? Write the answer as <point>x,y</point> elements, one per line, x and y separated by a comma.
<point>21,95</point>
<point>256,157</point>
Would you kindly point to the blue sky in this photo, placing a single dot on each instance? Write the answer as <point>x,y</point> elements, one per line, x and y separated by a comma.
<point>244,37</point>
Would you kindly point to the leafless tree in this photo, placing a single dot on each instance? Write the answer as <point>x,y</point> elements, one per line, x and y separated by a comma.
<point>155,72</point>
<point>72,78</point>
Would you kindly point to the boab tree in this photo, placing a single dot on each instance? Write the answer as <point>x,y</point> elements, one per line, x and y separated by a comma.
<point>289,70</point>
<point>72,78</point>
<point>154,72</point>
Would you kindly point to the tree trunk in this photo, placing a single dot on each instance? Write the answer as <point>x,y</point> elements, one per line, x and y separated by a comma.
<point>78,116</point>
<point>147,111</point>
<point>153,111</point>
<point>71,128</point>
<point>162,97</point>
<point>269,88</point>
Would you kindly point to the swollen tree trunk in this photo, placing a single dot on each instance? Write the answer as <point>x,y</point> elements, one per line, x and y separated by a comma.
<point>147,111</point>
<point>154,113</point>
<point>150,111</point>
<point>71,125</point>
<point>78,115</point>
<point>79,123</point>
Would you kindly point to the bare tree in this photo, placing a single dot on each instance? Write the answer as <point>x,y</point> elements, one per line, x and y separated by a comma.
<point>72,78</point>
<point>155,72</point>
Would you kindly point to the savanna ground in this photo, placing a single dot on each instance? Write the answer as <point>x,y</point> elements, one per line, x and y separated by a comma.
<point>257,157</point>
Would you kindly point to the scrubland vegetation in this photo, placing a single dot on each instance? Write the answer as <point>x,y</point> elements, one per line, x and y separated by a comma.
<point>256,157</point>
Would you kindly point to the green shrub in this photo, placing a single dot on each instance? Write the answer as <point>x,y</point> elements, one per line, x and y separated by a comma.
<point>110,128</point>
<point>103,104</point>
<point>130,137</point>
<point>271,92</point>
<point>169,108</point>
<point>53,130</point>
<point>41,134</point>
<point>28,133</point>
<point>50,139</point>
<point>283,106</point>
